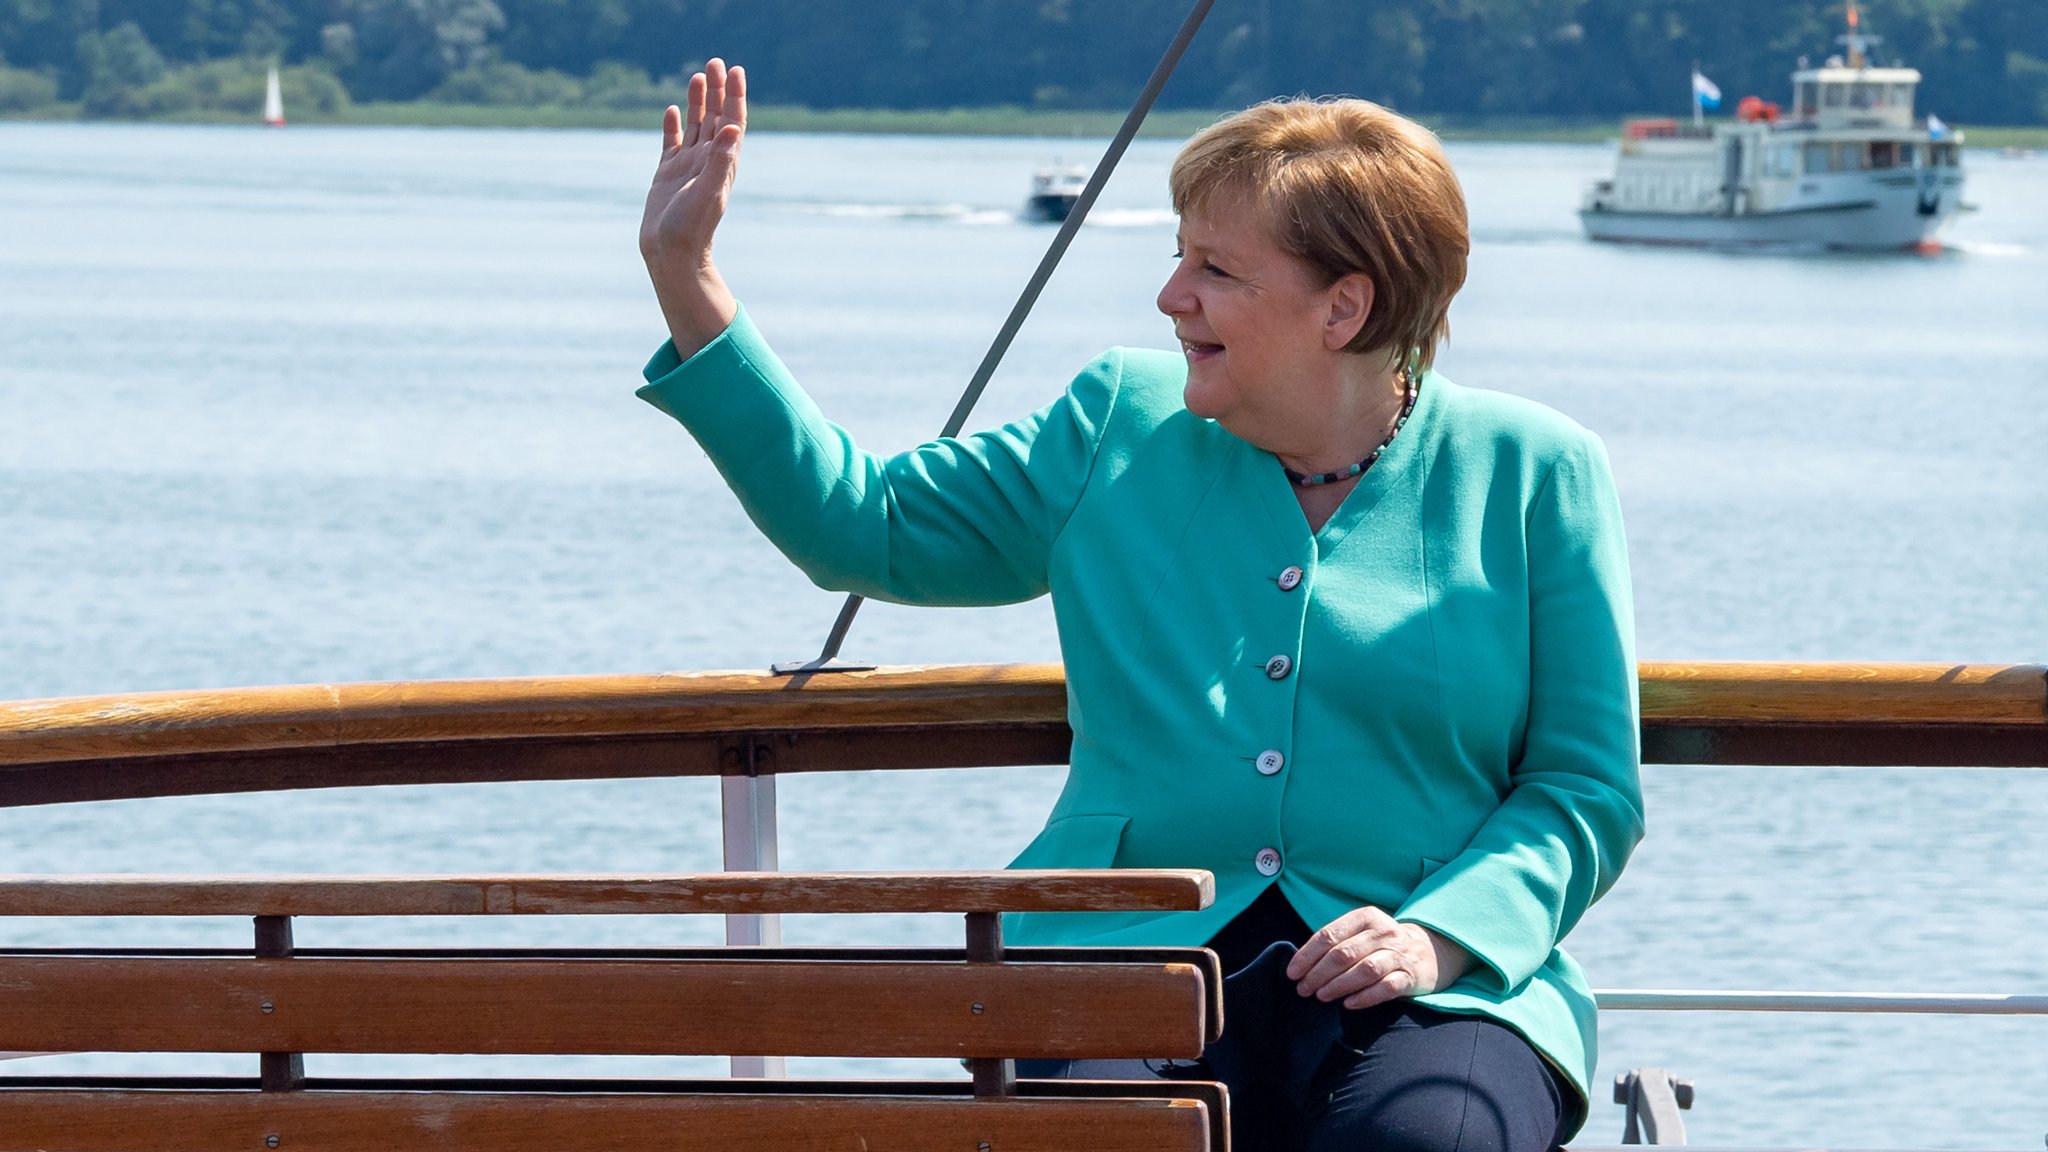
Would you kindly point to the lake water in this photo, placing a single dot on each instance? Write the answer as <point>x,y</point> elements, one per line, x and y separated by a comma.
<point>353,404</point>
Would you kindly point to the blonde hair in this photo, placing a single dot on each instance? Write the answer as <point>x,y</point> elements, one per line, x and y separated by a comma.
<point>1348,187</point>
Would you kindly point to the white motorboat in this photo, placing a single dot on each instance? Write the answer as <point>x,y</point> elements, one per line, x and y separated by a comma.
<point>1849,167</point>
<point>1054,189</point>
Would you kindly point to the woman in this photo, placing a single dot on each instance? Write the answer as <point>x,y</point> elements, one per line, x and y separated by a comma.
<point>1351,637</point>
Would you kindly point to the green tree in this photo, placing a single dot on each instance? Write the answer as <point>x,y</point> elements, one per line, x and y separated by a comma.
<point>117,65</point>
<point>406,48</point>
<point>22,90</point>
<point>43,34</point>
<point>1983,61</point>
<point>505,83</point>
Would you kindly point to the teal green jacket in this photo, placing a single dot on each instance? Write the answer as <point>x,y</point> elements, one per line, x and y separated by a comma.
<point>1450,736</point>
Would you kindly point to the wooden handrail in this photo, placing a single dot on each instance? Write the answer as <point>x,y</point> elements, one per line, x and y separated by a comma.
<point>1835,693</point>
<point>1018,890</point>
<point>418,711</point>
<point>735,723</point>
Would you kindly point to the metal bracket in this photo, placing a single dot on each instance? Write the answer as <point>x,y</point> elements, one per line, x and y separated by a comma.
<point>820,664</point>
<point>281,1071</point>
<point>1653,1098</point>
<point>992,1077</point>
<point>748,754</point>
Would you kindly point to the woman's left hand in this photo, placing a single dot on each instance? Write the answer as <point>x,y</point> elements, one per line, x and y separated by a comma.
<point>1367,957</point>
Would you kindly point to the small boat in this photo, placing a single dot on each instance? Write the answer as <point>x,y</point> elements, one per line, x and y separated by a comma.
<point>1054,189</point>
<point>1849,167</point>
<point>273,102</point>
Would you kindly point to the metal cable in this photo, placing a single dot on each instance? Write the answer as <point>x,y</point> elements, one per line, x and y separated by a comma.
<point>1057,249</point>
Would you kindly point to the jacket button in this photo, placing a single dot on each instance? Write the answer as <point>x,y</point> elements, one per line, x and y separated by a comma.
<point>1269,762</point>
<point>1267,861</point>
<point>1290,578</point>
<point>1278,667</point>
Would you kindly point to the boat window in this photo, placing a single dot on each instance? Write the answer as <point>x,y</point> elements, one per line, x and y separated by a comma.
<point>1861,95</point>
<point>1848,157</point>
<point>1882,154</point>
<point>1902,95</point>
<point>1783,160</point>
<point>1832,94</point>
<point>1817,158</point>
<point>1907,154</point>
<point>1944,155</point>
<point>1809,97</point>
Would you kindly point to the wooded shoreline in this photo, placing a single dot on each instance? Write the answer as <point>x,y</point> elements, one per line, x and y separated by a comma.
<point>992,121</point>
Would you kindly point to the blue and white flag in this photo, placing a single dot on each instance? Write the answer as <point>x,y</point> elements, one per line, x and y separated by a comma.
<point>1705,91</point>
<point>1936,130</point>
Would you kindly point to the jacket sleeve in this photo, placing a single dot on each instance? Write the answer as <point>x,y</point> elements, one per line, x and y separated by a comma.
<point>953,522</point>
<point>1573,811</point>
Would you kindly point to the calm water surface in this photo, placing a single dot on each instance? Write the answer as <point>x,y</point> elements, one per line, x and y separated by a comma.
<point>351,404</point>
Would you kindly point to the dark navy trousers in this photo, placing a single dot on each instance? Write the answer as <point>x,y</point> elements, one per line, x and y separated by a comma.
<point>1305,1076</point>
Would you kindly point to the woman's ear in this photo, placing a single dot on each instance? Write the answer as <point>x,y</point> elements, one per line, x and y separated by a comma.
<point>1351,299</point>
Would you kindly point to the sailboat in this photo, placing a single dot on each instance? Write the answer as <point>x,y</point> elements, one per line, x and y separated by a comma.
<point>273,102</point>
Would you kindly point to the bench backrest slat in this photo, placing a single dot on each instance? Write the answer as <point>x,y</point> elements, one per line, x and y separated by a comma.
<point>1050,890</point>
<point>623,1007</point>
<point>86,1121</point>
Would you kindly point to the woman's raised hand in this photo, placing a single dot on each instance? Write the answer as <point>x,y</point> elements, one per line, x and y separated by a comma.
<point>700,149</point>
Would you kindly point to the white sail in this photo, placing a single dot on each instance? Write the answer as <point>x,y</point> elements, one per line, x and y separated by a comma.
<point>273,102</point>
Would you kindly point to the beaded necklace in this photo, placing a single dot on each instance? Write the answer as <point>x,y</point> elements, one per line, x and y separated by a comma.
<point>1407,406</point>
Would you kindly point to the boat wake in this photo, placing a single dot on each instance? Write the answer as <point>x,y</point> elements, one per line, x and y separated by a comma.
<point>972,215</point>
<point>1527,237</point>
<point>1984,248</point>
<point>1132,218</point>
<point>944,213</point>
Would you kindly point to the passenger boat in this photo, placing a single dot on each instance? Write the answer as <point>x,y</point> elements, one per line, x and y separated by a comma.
<point>1054,189</point>
<point>1850,167</point>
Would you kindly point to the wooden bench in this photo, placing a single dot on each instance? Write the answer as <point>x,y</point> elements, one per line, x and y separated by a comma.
<point>983,1004</point>
<point>747,728</point>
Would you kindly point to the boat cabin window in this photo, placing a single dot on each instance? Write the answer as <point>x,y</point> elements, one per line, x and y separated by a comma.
<point>1809,97</point>
<point>1865,95</point>
<point>1907,154</point>
<point>1783,160</point>
<point>1942,155</point>
<point>1883,154</point>
<point>1902,95</point>
<point>1842,156</point>
<point>1831,95</point>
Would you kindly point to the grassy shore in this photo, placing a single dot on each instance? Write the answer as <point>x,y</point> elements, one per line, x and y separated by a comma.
<point>1000,121</point>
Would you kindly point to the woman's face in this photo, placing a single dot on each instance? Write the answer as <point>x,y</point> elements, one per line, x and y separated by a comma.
<point>1256,324</point>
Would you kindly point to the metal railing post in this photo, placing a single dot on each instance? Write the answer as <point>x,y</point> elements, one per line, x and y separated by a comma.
<point>747,807</point>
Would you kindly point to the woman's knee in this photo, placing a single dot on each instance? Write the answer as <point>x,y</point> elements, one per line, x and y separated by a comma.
<point>1455,1086</point>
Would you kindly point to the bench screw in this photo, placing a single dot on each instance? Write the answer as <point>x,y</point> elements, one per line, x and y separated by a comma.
<point>976,1009</point>
<point>267,1010</point>
<point>271,1141</point>
<point>982,1147</point>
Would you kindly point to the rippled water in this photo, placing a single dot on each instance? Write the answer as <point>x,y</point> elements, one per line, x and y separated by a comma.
<point>343,404</point>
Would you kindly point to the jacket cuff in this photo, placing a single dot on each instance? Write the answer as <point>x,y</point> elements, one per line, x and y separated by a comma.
<point>674,384</point>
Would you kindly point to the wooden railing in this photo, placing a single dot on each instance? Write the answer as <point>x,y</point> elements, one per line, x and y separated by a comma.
<point>741,724</point>
<point>747,727</point>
